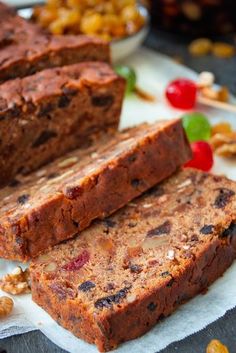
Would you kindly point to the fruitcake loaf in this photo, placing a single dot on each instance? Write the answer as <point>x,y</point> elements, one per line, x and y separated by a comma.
<point>6,12</point>
<point>124,273</point>
<point>25,48</point>
<point>54,203</point>
<point>53,111</point>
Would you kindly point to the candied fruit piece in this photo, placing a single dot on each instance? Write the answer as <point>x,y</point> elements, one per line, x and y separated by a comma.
<point>181,93</point>
<point>78,262</point>
<point>196,126</point>
<point>106,244</point>
<point>202,156</point>
<point>129,75</point>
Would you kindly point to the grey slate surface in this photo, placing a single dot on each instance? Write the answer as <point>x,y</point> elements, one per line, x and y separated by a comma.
<point>223,329</point>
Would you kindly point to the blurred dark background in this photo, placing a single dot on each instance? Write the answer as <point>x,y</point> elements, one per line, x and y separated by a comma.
<point>175,23</point>
<point>195,17</point>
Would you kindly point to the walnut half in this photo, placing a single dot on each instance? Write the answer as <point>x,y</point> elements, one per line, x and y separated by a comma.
<point>6,306</point>
<point>16,282</point>
<point>224,144</point>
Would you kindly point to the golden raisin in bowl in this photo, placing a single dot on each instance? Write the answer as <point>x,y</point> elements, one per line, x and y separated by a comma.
<point>107,19</point>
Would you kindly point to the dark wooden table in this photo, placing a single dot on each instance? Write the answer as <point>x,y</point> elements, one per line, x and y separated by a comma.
<point>223,329</point>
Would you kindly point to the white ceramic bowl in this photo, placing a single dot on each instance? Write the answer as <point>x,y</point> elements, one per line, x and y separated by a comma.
<point>120,48</point>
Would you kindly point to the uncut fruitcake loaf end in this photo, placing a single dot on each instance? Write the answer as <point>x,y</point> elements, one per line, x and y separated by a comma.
<point>120,276</point>
<point>54,111</point>
<point>25,48</point>
<point>54,203</point>
<point>6,12</point>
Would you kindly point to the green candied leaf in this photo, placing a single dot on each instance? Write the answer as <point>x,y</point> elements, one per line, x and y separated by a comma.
<point>197,126</point>
<point>129,75</point>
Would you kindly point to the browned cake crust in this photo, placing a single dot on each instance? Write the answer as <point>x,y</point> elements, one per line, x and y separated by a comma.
<point>54,111</point>
<point>120,276</point>
<point>52,204</point>
<point>6,12</point>
<point>25,48</point>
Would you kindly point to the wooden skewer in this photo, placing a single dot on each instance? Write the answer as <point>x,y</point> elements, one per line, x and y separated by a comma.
<point>144,95</point>
<point>217,104</point>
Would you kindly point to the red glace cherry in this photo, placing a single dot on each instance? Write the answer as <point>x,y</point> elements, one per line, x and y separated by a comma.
<point>182,93</point>
<point>78,262</point>
<point>202,156</point>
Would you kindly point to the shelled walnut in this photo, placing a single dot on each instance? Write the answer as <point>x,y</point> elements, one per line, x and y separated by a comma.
<point>221,94</point>
<point>223,140</point>
<point>16,282</point>
<point>6,306</point>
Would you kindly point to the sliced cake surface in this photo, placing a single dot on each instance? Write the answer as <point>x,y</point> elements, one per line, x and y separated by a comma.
<point>25,48</point>
<point>45,115</point>
<point>54,203</point>
<point>120,276</point>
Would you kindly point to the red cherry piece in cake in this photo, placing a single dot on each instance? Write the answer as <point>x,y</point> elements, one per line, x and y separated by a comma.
<point>78,262</point>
